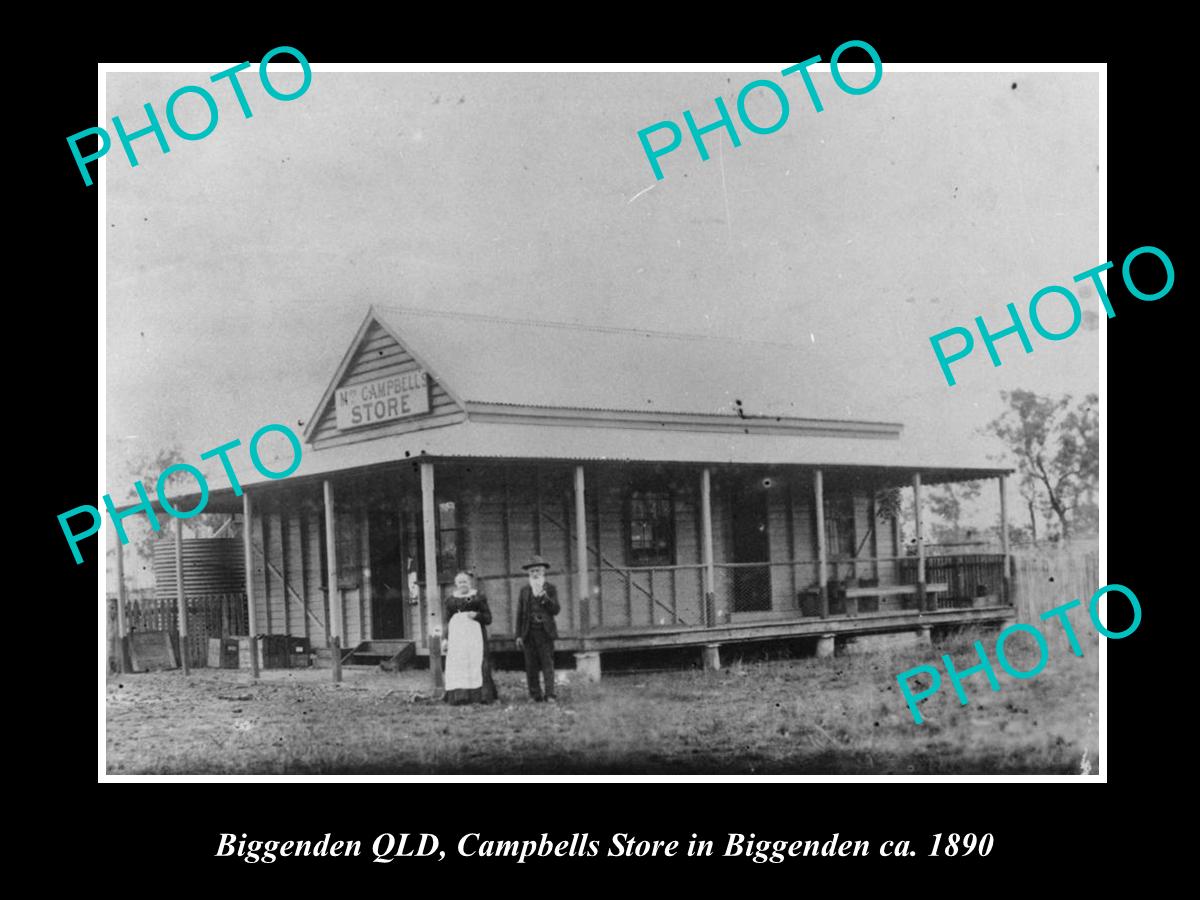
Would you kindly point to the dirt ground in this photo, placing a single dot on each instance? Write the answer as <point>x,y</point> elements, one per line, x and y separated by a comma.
<point>786,716</point>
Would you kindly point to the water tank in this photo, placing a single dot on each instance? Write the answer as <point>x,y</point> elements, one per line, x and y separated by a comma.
<point>210,566</point>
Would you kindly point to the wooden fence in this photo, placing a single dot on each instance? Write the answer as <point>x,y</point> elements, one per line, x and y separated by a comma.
<point>1044,579</point>
<point>209,615</point>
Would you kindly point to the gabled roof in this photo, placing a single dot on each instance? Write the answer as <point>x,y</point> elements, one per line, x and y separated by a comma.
<point>348,359</point>
<point>534,363</point>
<point>612,395</point>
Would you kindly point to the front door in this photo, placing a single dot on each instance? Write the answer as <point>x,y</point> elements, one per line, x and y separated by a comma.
<point>751,584</point>
<point>389,580</point>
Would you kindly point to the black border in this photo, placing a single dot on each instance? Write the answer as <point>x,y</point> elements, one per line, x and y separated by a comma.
<point>1148,447</point>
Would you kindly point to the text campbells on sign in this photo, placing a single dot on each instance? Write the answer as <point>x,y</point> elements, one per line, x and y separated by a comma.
<point>383,399</point>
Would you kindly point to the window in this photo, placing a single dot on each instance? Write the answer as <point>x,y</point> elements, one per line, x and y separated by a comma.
<point>449,540</point>
<point>651,522</point>
<point>839,525</point>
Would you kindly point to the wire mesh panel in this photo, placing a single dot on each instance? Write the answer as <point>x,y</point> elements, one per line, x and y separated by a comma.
<point>665,596</point>
<point>750,588</point>
<point>788,586</point>
<point>654,595</point>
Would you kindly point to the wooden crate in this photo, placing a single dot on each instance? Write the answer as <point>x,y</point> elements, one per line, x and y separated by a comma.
<point>243,657</point>
<point>151,650</point>
<point>222,653</point>
<point>299,653</point>
<point>274,651</point>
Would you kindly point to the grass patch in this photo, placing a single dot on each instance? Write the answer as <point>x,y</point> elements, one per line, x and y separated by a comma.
<point>805,716</point>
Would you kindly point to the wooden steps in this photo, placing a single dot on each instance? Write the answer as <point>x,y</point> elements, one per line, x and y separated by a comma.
<point>389,655</point>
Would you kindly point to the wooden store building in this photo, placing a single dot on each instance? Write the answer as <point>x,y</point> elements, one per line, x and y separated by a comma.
<point>688,491</point>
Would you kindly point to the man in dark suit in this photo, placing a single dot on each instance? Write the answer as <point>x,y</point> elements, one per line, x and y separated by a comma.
<point>536,632</point>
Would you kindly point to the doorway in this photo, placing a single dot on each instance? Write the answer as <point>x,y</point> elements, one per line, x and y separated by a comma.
<point>389,579</point>
<point>751,544</point>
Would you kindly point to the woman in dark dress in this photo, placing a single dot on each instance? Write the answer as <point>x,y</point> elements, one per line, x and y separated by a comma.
<point>473,604</point>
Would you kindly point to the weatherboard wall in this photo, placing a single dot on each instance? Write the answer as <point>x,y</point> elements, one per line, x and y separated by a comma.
<point>378,356</point>
<point>509,512</point>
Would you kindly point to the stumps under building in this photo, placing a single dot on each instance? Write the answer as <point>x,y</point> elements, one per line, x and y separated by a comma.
<point>688,490</point>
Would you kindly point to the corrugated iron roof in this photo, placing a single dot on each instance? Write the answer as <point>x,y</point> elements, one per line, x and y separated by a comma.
<point>488,359</point>
<point>588,444</point>
<point>472,439</point>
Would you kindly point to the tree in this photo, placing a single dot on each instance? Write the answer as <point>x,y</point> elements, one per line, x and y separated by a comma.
<point>1057,451</point>
<point>1079,453</point>
<point>148,467</point>
<point>947,501</point>
<point>889,504</point>
<point>1027,487</point>
<point>1019,534</point>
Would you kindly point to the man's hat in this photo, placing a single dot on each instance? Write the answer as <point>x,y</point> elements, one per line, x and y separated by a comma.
<point>536,561</point>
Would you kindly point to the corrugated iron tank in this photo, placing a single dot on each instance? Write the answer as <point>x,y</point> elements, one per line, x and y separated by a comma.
<point>210,566</point>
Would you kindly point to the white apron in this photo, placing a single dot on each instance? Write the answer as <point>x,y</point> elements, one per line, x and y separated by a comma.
<point>464,661</point>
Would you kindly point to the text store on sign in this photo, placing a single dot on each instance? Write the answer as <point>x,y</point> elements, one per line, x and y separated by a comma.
<point>383,400</point>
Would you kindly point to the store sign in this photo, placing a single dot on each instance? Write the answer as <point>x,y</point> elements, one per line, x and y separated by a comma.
<point>395,397</point>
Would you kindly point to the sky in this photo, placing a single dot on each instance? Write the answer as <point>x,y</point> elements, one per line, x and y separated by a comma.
<point>239,266</point>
